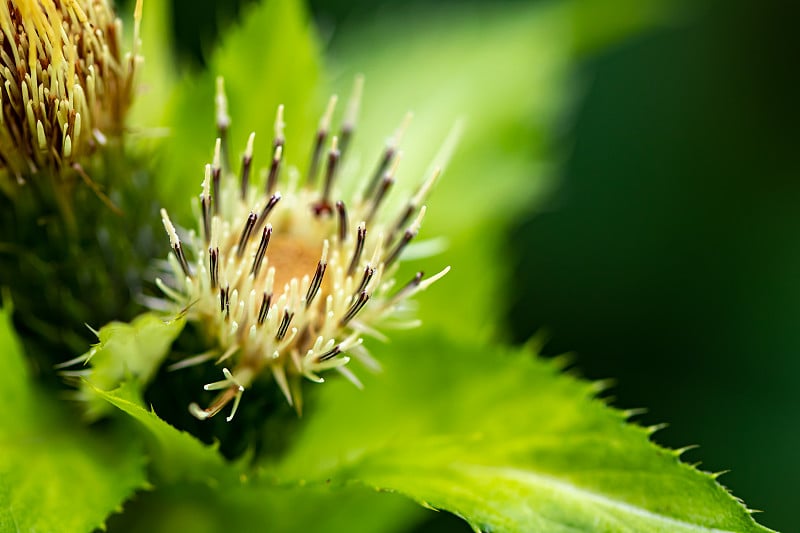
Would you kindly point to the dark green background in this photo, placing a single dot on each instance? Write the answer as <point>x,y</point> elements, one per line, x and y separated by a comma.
<point>669,255</point>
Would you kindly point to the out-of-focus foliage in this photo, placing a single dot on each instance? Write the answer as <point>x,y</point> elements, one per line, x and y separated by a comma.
<point>157,75</point>
<point>196,489</point>
<point>511,90</point>
<point>55,474</point>
<point>264,64</point>
<point>203,509</point>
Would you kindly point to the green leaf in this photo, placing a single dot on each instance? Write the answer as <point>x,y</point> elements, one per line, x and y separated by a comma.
<point>56,474</point>
<point>176,455</point>
<point>502,70</point>
<point>600,24</point>
<point>198,491</point>
<point>156,75</point>
<point>271,58</point>
<point>506,70</point>
<point>247,507</point>
<point>505,440</point>
<point>126,351</point>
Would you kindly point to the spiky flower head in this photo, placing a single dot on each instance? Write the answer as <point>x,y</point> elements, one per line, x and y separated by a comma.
<point>66,82</point>
<point>287,283</point>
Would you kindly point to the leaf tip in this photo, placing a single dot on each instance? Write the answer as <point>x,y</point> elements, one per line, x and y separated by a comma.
<point>651,430</point>
<point>716,475</point>
<point>631,413</point>
<point>601,385</point>
<point>678,452</point>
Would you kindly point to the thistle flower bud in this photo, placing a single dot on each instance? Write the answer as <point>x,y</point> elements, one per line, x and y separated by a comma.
<point>66,82</point>
<point>288,284</point>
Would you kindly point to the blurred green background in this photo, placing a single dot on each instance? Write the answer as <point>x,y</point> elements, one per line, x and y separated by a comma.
<point>669,259</point>
<point>668,254</point>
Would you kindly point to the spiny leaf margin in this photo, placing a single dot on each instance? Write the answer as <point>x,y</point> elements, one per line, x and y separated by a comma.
<point>196,488</point>
<point>125,352</point>
<point>47,455</point>
<point>175,455</point>
<point>504,439</point>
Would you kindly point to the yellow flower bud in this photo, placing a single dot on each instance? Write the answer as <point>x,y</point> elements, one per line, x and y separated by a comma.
<point>288,283</point>
<point>65,83</point>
